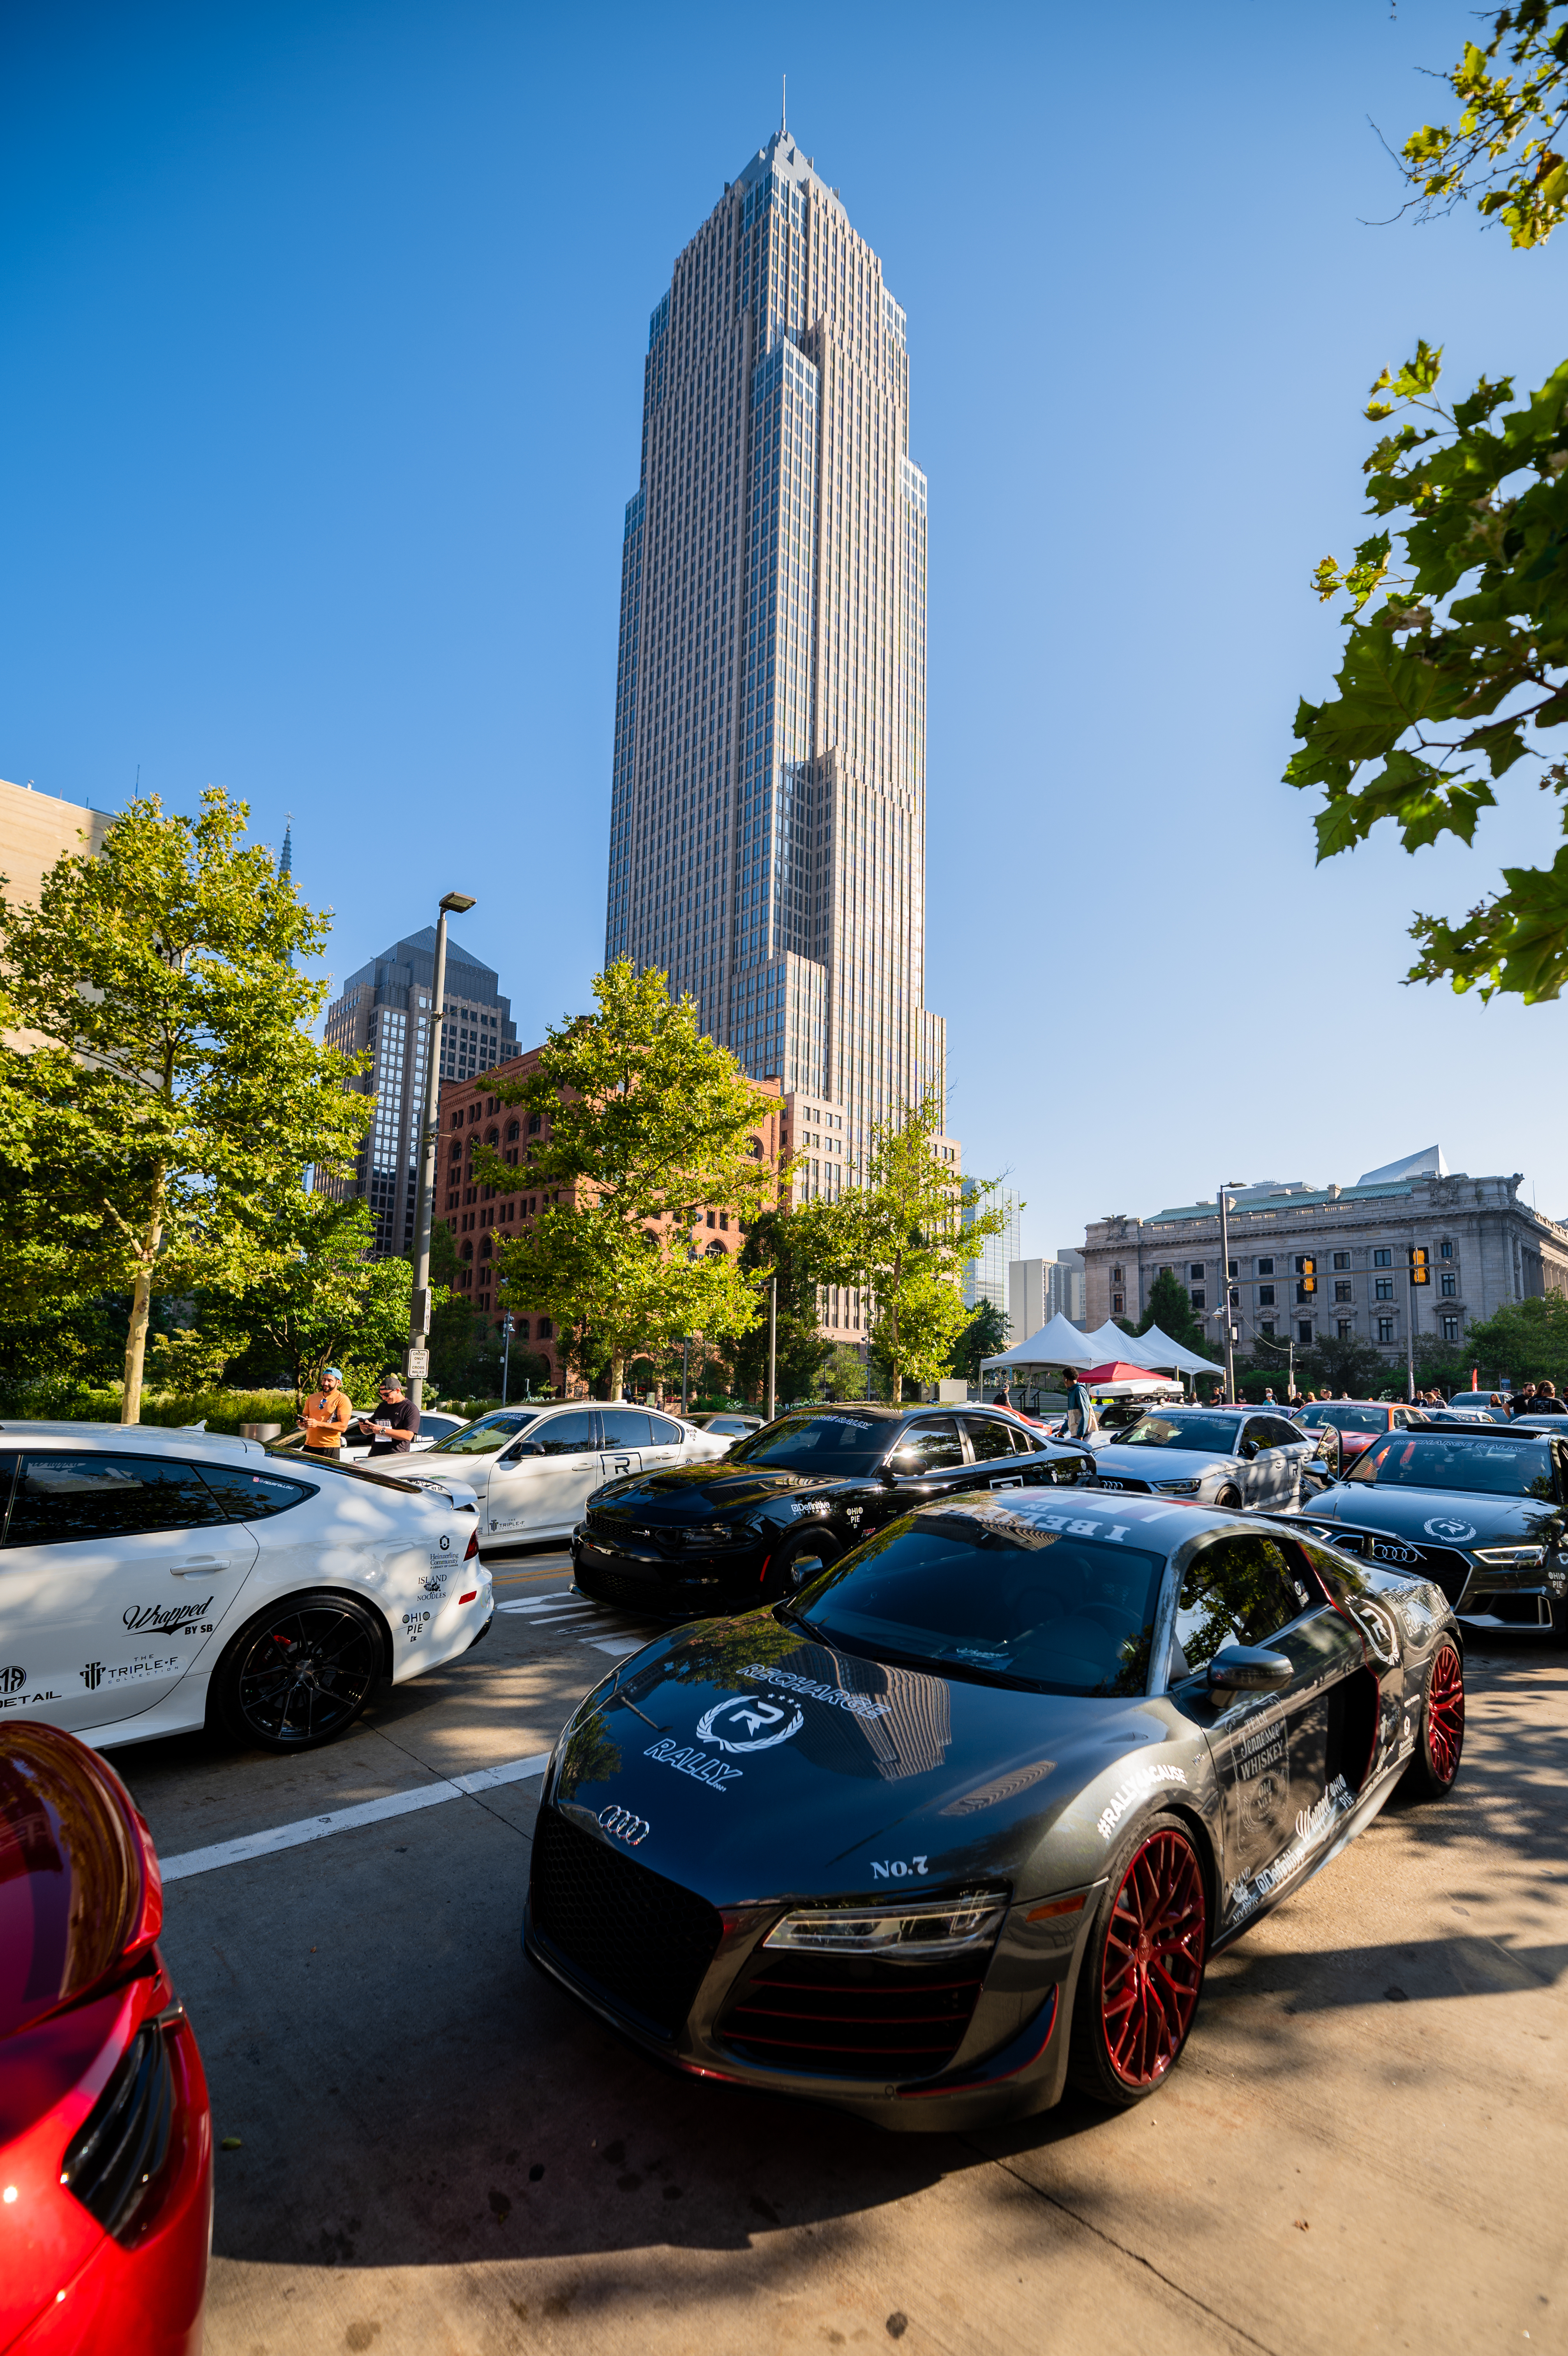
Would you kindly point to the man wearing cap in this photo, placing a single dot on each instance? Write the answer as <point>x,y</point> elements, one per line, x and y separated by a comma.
<point>328,1415</point>
<point>391,1427</point>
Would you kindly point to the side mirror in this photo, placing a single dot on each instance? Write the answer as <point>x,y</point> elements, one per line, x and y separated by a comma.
<point>1246,1668</point>
<point>1315,1468</point>
<point>521,1448</point>
<point>1248,1450</point>
<point>900,1461</point>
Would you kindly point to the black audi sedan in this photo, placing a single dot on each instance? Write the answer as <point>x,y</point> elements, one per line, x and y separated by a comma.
<point>695,1540</point>
<point>1480,1509</point>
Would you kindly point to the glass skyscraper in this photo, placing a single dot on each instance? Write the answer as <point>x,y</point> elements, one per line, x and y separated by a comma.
<point>768,800</point>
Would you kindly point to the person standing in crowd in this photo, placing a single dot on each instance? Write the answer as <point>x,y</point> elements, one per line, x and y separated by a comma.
<point>1547,1401</point>
<point>1523,1401</point>
<point>391,1428</point>
<point>327,1415</point>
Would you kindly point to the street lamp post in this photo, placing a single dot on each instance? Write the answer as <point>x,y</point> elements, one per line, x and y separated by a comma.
<point>772,1347</point>
<point>1225,1290</point>
<point>416,1364</point>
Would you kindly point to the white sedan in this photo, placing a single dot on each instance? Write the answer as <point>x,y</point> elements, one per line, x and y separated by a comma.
<point>534,1468</point>
<point>1229,1457</point>
<point>156,1581</point>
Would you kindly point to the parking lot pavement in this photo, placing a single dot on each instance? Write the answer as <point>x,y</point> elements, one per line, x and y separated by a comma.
<point>1363,2148</point>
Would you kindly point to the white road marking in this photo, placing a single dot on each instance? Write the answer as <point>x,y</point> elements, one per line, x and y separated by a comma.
<point>619,1649</point>
<point>345,1820</point>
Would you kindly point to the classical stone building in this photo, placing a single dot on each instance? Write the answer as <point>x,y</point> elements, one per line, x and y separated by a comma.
<point>1484,1246</point>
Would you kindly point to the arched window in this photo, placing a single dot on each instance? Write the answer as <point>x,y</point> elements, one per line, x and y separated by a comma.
<point>493,1137</point>
<point>456,1120</point>
<point>485,1245</point>
<point>545,1329</point>
<point>534,1124</point>
<point>716,1249</point>
<point>521,1329</point>
<point>512,1131</point>
<point>754,1149</point>
<point>465,1251</point>
<point>456,1156</point>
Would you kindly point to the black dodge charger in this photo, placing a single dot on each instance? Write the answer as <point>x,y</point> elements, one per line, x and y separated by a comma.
<point>785,1503</point>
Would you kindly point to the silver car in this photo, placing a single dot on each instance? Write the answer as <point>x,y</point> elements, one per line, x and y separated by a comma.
<point>534,1467</point>
<point>1231,1457</point>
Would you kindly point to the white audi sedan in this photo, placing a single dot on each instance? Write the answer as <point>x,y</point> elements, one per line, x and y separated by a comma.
<point>1231,1457</point>
<point>534,1468</point>
<point>156,1581</point>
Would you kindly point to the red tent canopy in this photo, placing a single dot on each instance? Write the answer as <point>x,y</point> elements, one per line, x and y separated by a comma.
<point>1115,1371</point>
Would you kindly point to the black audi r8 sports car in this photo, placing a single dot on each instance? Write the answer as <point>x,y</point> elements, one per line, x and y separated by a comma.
<point>699,1538</point>
<point>1481,1509</point>
<point>965,1817</point>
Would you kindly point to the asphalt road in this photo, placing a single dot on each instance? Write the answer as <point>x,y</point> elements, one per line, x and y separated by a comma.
<point>1365,2147</point>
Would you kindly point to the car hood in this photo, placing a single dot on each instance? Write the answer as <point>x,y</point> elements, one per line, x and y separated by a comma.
<point>1152,1464</point>
<point>712,1488</point>
<point>766,1764</point>
<point>1452,1517</point>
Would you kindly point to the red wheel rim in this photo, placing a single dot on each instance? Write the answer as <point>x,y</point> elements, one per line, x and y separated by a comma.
<point>1153,1959</point>
<point>1446,1714</point>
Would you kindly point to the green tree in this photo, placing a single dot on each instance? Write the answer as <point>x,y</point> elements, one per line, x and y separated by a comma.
<point>1460,672</point>
<point>1525,1340</point>
<point>649,1123</point>
<point>844,1374</point>
<point>770,1251</point>
<point>902,1238</point>
<point>1170,1308</point>
<point>165,1119</point>
<point>984,1337</point>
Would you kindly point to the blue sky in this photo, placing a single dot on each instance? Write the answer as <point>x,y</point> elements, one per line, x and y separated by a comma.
<point>324,329</point>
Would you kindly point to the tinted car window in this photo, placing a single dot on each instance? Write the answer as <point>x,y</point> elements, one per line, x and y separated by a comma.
<point>1025,1443</point>
<point>1240,1590</point>
<point>987,1437</point>
<point>252,1497</point>
<point>566,1435</point>
<point>61,1498</point>
<point>1209,1434</point>
<point>665,1434</point>
<point>492,1432</point>
<point>1511,1467</point>
<point>1352,1419</point>
<point>930,1447</point>
<point>836,1446</point>
<point>979,1594</point>
<point>623,1427</point>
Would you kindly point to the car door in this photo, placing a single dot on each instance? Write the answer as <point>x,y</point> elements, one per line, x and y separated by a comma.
<point>1291,1454</point>
<point>926,1460</point>
<point>623,1441</point>
<point>1280,1755</point>
<point>539,1485</point>
<point>117,1571</point>
<point>1002,1454</point>
<point>1267,1475</point>
<point>669,1443</point>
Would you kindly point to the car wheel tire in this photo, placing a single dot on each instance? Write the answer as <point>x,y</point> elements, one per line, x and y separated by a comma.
<point>1143,1969</point>
<point>1229,1500</point>
<point>799,1558</point>
<point>1440,1745</point>
<point>299,1674</point>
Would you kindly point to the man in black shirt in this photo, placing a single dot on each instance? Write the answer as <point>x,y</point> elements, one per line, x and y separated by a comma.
<point>391,1428</point>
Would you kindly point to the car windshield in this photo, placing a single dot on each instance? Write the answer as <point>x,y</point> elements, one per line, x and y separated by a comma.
<point>971,1589</point>
<point>1203,1432</point>
<point>1514,1467</point>
<point>491,1432</point>
<point>1348,1419</point>
<point>829,1445</point>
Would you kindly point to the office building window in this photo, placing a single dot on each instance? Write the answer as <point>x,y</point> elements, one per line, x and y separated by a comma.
<point>1200,1298</point>
<point>1385,1329</point>
<point>1383,1287</point>
<point>1115,1276</point>
<point>1346,1329</point>
<point>1194,1271</point>
<point>1265,1268</point>
<point>1266,1294</point>
<point>1450,1282</point>
<point>1451,1329</point>
<point>1342,1291</point>
<point>1303,1330</point>
<point>1266,1325</point>
<point>1341,1260</point>
<point>1116,1302</point>
<point>1381,1258</point>
<point>1445,1251</point>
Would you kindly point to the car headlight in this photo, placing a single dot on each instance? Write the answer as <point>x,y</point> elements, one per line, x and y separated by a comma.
<point>710,1533</point>
<point>1177,1488</point>
<point>943,1928</point>
<point>1511,1557</point>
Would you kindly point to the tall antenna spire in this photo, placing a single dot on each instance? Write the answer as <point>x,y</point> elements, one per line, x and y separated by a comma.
<point>783,105</point>
<point>286,863</point>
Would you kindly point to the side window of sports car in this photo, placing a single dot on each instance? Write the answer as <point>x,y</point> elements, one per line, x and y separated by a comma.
<point>928,1447</point>
<point>566,1435</point>
<point>1279,1433</point>
<point>252,1497</point>
<point>670,1435</point>
<point>62,1498</point>
<point>1238,1591</point>
<point>989,1436</point>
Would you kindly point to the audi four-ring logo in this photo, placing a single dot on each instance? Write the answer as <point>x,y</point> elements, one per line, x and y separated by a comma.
<point>624,1825</point>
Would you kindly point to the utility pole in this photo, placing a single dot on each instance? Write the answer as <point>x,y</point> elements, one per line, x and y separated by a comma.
<point>772,1347</point>
<point>685,1370</point>
<point>506,1353</point>
<point>1225,1292</point>
<point>416,1362</point>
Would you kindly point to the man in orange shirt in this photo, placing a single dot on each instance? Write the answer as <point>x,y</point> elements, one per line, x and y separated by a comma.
<point>328,1414</point>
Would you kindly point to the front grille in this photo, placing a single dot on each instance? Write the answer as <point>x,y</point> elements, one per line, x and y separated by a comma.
<point>641,1941</point>
<point>1446,1569</point>
<point>113,2162</point>
<point>618,1586</point>
<point>1115,1481</point>
<point>851,2017</point>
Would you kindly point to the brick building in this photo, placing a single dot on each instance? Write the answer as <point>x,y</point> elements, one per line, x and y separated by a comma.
<point>481,1218</point>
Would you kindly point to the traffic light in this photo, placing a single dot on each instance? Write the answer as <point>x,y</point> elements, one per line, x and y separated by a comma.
<point>1306,1270</point>
<point>1419,1273</point>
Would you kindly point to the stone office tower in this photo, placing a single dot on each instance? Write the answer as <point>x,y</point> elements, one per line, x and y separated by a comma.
<point>768,812</point>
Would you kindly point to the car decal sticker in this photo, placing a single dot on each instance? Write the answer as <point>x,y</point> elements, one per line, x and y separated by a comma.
<point>1313,1827</point>
<point>1137,1787</point>
<point>1443,1526</point>
<point>748,1723</point>
<point>861,1704</point>
<point>695,1764</point>
<point>94,1674</point>
<point>897,1868</point>
<point>167,1618</point>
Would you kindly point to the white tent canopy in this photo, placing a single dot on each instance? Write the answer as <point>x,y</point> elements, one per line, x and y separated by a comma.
<point>1056,1345</point>
<point>1153,1349</point>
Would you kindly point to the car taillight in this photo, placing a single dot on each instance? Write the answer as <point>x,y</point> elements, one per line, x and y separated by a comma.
<point>472,1549</point>
<point>470,1596</point>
